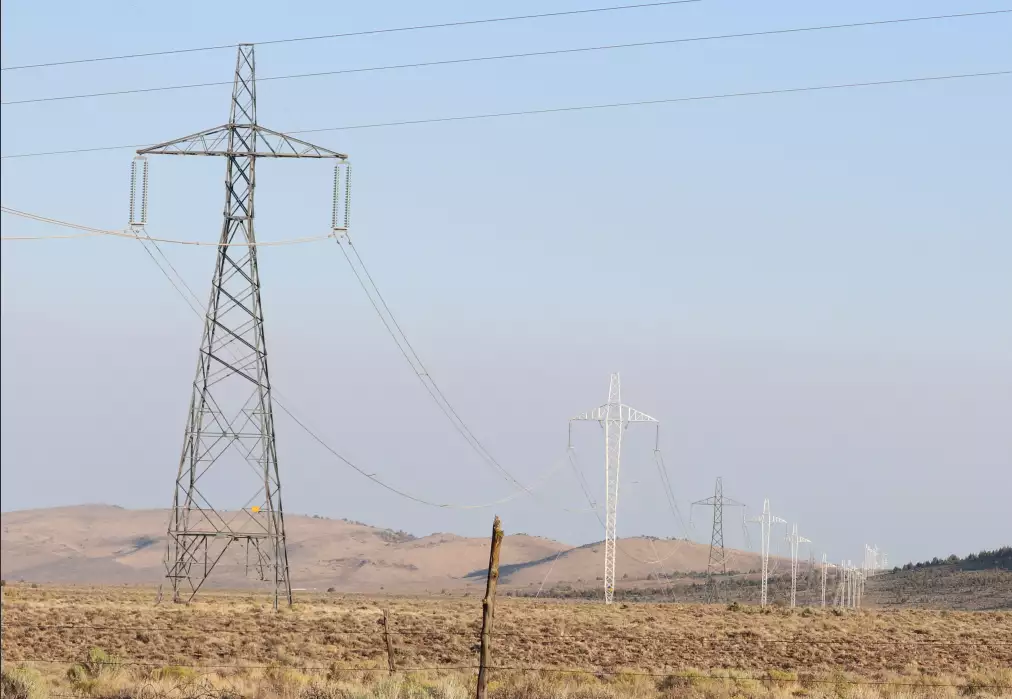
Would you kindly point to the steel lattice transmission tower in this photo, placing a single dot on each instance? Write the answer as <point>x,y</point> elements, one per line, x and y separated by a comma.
<point>766,521</point>
<point>795,540</point>
<point>717,563</point>
<point>229,448</point>
<point>826,565</point>
<point>614,416</point>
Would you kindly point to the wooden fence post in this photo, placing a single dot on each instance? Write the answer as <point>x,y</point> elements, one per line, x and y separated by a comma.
<point>488,610</point>
<point>3,584</point>
<point>389,640</point>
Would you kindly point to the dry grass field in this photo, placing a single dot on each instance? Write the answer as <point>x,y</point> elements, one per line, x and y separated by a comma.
<point>115,642</point>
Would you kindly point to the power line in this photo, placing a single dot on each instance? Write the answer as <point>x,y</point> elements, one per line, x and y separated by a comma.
<point>577,108</point>
<point>662,470</point>
<point>194,304</point>
<point>367,32</point>
<point>91,232</point>
<point>396,333</point>
<point>501,57</point>
<point>407,350</point>
<point>593,508</point>
<point>387,486</point>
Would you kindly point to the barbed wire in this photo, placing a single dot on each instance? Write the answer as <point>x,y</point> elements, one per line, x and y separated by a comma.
<point>544,636</point>
<point>769,677</point>
<point>233,666</point>
<point>758,675</point>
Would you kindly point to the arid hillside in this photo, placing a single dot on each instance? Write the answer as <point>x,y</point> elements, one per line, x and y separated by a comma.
<point>99,544</point>
<point>943,587</point>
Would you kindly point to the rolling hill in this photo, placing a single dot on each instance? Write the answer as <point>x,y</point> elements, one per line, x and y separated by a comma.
<point>102,544</point>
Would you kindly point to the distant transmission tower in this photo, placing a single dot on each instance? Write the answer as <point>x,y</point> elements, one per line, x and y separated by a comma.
<point>872,560</point>
<point>840,599</point>
<point>795,540</point>
<point>717,563</point>
<point>766,521</point>
<point>826,565</point>
<point>848,582</point>
<point>844,584</point>
<point>228,445</point>
<point>852,585</point>
<point>858,587</point>
<point>614,416</point>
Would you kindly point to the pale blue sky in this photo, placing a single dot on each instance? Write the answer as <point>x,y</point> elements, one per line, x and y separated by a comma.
<point>810,291</point>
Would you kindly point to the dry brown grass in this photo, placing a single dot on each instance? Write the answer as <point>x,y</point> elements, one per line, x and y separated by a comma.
<point>332,646</point>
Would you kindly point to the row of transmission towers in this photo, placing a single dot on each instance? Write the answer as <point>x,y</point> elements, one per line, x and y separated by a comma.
<point>229,431</point>
<point>614,417</point>
<point>850,581</point>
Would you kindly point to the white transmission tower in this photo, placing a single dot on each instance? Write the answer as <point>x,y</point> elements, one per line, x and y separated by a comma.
<point>826,565</point>
<point>795,541</point>
<point>614,416</point>
<point>844,584</point>
<point>853,585</point>
<point>766,521</point>
<point>841,585</point>
<point>871,559</point>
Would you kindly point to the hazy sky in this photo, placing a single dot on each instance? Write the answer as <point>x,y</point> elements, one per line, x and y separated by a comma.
<point>810,291</point>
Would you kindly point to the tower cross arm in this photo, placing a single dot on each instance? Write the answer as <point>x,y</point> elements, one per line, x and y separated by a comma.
<point>595,415</point>
<point>726,502</point>
<point>634,415</point>
<point>626,414</point>
<point>249,140</point>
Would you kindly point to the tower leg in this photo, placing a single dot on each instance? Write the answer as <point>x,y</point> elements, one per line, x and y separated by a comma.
<point>229,444</point>
<point>613,427</point>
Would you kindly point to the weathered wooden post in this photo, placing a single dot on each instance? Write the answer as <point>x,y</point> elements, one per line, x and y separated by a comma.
<point>389,640</point>
<point>3,584</point>
<point>488,610</point>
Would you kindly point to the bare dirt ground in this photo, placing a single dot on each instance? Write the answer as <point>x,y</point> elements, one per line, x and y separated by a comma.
<point>115,641</point>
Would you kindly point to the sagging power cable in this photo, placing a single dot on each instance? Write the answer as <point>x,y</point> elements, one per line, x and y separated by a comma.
<point>190,298</point>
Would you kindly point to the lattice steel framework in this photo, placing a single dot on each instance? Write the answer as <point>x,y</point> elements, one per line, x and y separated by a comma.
<point>766,521</point>
<point>229,431</point>
<point>614,416</point>
<point>826,565</point>
<point>795,540</point>
<point>717,563</point>
<point>873,560</point>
